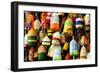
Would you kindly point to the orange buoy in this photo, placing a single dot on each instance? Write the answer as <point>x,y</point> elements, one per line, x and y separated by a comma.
<point>67,57</point>
<point>54,24</point>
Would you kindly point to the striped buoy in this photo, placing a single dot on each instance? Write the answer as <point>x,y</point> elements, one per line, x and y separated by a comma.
<point>54,22</point>
<point>32,38</point>
<point>49,32</point>
<point>56,38</point>
<point>68,26</point>
<point>79,23</point>
<point>46,41</point>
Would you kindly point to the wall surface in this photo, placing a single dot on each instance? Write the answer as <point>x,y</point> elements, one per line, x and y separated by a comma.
<point>5,17</point>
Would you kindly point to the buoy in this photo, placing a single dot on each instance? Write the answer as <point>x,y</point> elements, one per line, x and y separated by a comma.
<point>74,48</point>
<point>68,26</point>
<point>55,48</point>
<point>56,38</point>
<point>67,57</point>
<point>54,23</point>
<point>37,25</point>
<point>41,53</point>
<point>83,53</point>
<point>51,51</point>
<point>57,53</point>
<point>79,22</point>
<point>32,38</point>
<point>46,41</point>
<point>87,19</point>
<point>84,40</point>
<point>65,47</point>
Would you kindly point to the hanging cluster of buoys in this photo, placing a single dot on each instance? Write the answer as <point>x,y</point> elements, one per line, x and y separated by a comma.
<point>56,36</point>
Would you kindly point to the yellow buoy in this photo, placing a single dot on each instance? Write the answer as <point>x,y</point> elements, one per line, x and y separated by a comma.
<point>65,47</point>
